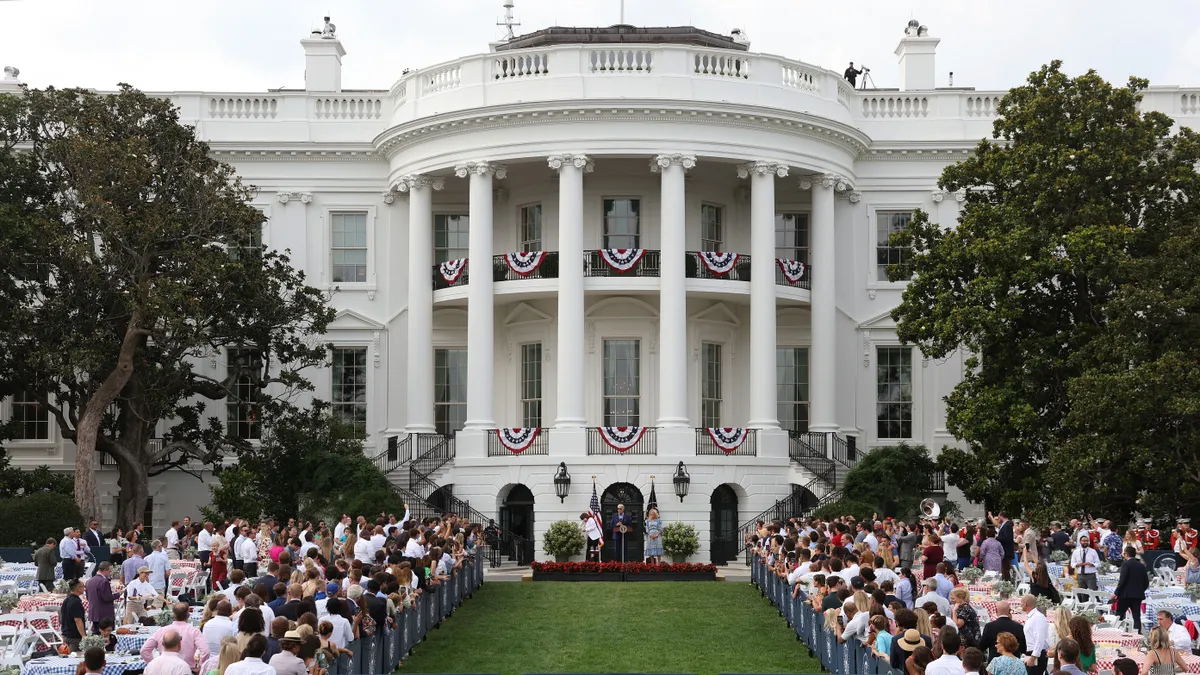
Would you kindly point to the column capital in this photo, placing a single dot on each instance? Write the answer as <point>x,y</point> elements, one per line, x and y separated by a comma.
<point>664,161</point>
<point>762,168</point>
<point>480,168</point>
<point>579,161</point>
<point>419,180</point>
<point>828,180</point>
<point>302,197</point>
<point>388,197</point>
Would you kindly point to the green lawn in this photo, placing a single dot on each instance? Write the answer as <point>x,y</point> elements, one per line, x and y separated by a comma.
<point>548,627</point>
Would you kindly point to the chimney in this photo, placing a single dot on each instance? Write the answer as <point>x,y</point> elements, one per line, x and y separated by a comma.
<point>10,84</point>
<point>323,54</point>
<point>916,51</point>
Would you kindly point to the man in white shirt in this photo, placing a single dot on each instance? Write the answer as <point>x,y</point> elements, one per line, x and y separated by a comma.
<point>872,541</point>
<point>237,579</point>
<point>1104,527</point>
<point>340,528</point>
<point>1084,561</point>
<point>233,529</point>
<point>343,632</point>
<point>248,553</point>
<point>219,626</point>
<point>169,662</point>
<point>307,539</point>
<point>857,625</point>
<point>931,595</point>
<point>1035,636</point>
<point>1180,638</point>
<point>139,594</point>
<point>160,568</point>
<point>948,663</point>
<point>377,540</point>
<point>413,549</point>
<point>950,548</point>
<point>173,535</point>
<point>363,551</point>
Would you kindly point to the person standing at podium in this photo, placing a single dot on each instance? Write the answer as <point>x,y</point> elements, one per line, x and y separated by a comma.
<point>620,526</point>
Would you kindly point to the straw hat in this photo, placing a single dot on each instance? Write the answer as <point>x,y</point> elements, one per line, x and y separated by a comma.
<point>911,640</point>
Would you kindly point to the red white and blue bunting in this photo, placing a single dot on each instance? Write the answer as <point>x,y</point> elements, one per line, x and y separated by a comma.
<point>718,263</point>
<point>621,438</point>
<point>727,439</point>
<point>525,263</point>
<point>517,439</point>
<point>793,270</point>
<point>622,259</point>
<point>452,269</point>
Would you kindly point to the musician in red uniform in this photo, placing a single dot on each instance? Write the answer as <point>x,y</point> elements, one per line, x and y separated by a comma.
<point>1150,536</point>
<point>1184,536</point>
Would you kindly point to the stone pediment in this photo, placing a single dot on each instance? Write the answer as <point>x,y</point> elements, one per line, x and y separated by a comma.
<point>883,320</point>
<point>348,319</point>
<point>526,315</point>
<point>718,313</point>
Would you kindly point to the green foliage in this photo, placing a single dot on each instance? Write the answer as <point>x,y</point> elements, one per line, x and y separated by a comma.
<point>970,574</point>
<point>892,480</point>
<point>90,641</point>
<point>122,240</point>
<point>308,463</point>
<point>373,501</point>
<point>31,519</point>
<point>1004,589</point>
<point>1193,591</point>
<point>680,539</point>
<point>15,482</point>
<point>845,507</point>
<point>563,539</point>
<point>1071,281</point>
<point>8,601</point>
<point>163,618</point>
<point>1059,556</point>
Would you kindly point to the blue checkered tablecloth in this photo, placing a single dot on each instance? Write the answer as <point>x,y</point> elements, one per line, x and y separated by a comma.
<point>65,665</point>
<point>132,642</point>
<point>1179,608</point>
<point>11,572</point>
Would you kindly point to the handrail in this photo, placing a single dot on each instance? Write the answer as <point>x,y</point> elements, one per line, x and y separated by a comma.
<point>791,505</point>
<point>649,266</point>
<point>539,446</point>
<point>842,452</point>
<point>705,445</point>
<point>695,268</point>
<point>547,269</point>
<point>398,453</point>
<point>803,453</point>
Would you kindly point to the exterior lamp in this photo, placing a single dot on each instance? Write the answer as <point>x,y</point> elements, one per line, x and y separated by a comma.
<point>682,482</point>
<point>562,482</point>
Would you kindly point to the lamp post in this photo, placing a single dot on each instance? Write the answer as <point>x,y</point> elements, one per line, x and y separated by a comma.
<point>562,482</point>
<point>682,482</point>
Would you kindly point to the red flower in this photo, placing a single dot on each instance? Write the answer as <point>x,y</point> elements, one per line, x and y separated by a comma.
<point>617,568</point>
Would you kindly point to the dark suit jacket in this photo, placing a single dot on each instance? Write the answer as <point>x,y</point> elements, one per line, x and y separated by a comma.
<point>270,581</point>
<point>289,610</point>
<point>1005,536</point>
<point>94,539</point>
<point>1003,624</point>
<point>100,598</point>
<point>1134,580</point>
<point>618,519</point>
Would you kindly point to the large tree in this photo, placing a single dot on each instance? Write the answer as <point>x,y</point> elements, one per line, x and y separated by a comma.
<point>131,256</point>
<point>1068,211</point>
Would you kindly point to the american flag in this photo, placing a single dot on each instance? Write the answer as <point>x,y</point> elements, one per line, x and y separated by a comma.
<point>594,513</point>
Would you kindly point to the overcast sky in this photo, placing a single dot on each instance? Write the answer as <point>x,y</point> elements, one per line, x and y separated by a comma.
<point>252,45</point>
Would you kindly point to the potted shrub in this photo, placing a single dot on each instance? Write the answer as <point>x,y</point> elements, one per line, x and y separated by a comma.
<point>563,540</point>
<point>680,541</point>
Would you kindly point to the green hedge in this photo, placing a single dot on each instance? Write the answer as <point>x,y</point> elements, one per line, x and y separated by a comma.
<point>30,519</point>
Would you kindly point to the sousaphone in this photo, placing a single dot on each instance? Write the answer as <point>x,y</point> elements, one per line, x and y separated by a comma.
<point>930,509</point>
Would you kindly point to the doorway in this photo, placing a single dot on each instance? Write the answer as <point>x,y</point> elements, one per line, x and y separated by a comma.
<point>723,525</point>
<point>516,517</point>
<point>631,497</point>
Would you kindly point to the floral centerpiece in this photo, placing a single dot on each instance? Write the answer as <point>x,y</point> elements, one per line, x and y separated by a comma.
<point>189,553</point>
<point>563,540</point>
<point>92,641</point>
<point>1004,589</point>
<point>1106,567</point>
<point>1193,591</point>
<point>8,601</point>
<point>680,541</point>
<point>1059,557</point>
<point>117,543</point>
<point>971,574</point>
<point>62,587</point>
<point>1091,617</point>
<point>10,670</point>
<point>1045,604</point>
<point>163,618</point>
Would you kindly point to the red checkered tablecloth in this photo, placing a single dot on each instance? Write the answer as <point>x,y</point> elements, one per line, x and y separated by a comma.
<point>1127,641</point>
<point>1105,659</point>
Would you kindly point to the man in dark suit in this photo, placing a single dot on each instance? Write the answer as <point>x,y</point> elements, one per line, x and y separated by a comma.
<point>1004,534</point>
<point>100,597</point>
<point>270,579</point>
<point>620,524</point>
<point>1131,587</point>
<point>1003,623</point>
<point>376,606</point>
<point>93,536</point>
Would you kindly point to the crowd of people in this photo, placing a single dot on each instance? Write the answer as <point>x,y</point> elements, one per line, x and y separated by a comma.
<point>285,598</point>
<point>860,576</point>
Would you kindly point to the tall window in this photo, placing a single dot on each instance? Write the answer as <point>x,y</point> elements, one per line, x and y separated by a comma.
<point>531,385</point>
<point>349,248</point>
<point>791,378</point>
<point>710,385</point>
<point>451,237</point>
<point>251,244</point>
<point>791,236</point>
<point>241,413</point>
<point>32,421</point>
<point>893,392</point>
<point>622,383</point>
<point>712,228</point>
<point>349,393</point>
<point>450,390</point>
<point>888,223</point>
<point>621,223</point>
<point>531,228</point>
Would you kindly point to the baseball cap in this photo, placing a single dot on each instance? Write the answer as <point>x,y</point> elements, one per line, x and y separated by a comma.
<point>331,587</point>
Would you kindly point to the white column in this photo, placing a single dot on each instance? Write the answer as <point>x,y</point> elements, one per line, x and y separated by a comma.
<point>764,413</point>
<point>481,338</point>
<point>570,170</point>
<point>420,300</point>
<point>672,312</point>
<point>822,353</point>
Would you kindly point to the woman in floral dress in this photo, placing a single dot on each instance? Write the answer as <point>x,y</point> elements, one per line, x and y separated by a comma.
<point>991,552</point>
<point>654,547</point>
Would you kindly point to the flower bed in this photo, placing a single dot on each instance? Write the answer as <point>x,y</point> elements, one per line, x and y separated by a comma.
<point>615,571</point>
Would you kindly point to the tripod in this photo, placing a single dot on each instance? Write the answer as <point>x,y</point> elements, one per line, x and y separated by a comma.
<point>867,76</point>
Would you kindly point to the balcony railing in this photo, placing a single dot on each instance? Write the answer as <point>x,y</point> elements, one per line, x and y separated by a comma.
<point>548,269</point>
<point>646,445</point>
<point>804,282</point>
<point>937,481</point>
<point>705,445</point>
<point>440,283</point>
<point>539,446</point>
<point>696,269</point>
<point>647,266</point>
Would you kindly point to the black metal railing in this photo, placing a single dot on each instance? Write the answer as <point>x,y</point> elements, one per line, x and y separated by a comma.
<point>515,546</point>
<point>440,283</point>
<point>811,458</point>
<point>648,266</point>
<point>937,481</point>
<point>501,271</point>
<point>432,452</point>
<point>843,452</point>
<point>646,445</point>
<point>398,452</point>
<point>799,504</point>
<point>705,445</point>
<point>804,282</point>
<point>696,269</point>
<point>539,446</point>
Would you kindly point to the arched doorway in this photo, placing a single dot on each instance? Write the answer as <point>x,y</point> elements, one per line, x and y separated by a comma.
<point>516,517</point>
<point>723,525</point>
<point>440,499</point>
<point>804,499</point>
<point>631,497</point>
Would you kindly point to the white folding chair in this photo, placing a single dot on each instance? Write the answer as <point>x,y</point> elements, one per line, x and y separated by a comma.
<point>27,583</point>
<point>176,583</point>
<point>1089,601</point>
<point>20,651</point>
<point>198,585</point>
<point>1023,588</point>
<point>1163,576</point>
<point>42,625</point>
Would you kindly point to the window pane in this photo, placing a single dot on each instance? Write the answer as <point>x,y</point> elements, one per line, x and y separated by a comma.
<point>31,419</point>
<point>451,236</point>
<point>791,236</point>
<point>531,228</point>
<point>621,223</point>
<point>450,390</point>
<point>711,228</point>
<point>349,394</point>
<point>791,373</point>
<point>710,386</point>
<point>887,224</point>
<point>241,413</point>
<point>531,384</point>
<point>893,392</point>
<point>348,247</point>
<point>622,382</point>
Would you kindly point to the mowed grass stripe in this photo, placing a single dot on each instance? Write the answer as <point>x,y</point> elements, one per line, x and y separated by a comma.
<point>662,627</point>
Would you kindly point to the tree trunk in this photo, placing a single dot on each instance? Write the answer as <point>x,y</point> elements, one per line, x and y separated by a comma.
<point>93,414</point>
<point>134,486</point>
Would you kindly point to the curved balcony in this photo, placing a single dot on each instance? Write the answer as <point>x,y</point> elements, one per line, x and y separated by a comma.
<point>648,265</point>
